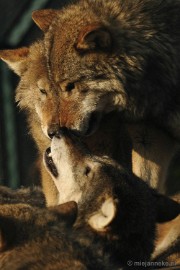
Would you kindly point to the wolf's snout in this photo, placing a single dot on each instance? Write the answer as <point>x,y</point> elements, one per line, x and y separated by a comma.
<point>56,131</point>
<point>53,130</point>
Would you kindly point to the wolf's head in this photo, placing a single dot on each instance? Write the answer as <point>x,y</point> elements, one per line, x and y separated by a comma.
<point>128,207</point>
<point>108,55</point>
<point>34,93</point>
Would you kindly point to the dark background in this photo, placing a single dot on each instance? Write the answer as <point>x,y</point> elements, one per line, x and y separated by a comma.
<point>17,150</point>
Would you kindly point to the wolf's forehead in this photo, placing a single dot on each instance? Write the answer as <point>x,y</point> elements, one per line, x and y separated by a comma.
<point>43,83</point>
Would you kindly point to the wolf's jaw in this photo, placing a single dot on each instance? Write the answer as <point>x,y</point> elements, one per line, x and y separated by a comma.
<point>93,123</point>
<point>50,163</point>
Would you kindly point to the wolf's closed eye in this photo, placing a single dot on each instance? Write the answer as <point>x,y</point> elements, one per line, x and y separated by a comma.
<point>87,171</point>
<point>70,87</point>
<point>43,91</point>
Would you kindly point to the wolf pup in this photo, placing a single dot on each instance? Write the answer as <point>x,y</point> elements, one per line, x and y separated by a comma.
<point>114,55</point>
<point>90,180</point>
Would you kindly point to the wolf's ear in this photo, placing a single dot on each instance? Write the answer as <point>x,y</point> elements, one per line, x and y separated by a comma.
<point>7,233</point>
<point>67,212</point>
<point>101,219</point>
<point>16,59</point>
<point>43,18</point>
<point>167,209</point>
<point>93,37</point>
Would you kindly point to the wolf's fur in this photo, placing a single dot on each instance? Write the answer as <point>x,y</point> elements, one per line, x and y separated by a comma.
<point>94,179</point>
<point>32,196</point>
<point>168,240</point>
<point>139,73</point>
<point>113,138</point>
<point>107,55</point>
<point>108,231</point>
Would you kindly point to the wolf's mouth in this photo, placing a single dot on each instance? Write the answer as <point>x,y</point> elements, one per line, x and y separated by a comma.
<point>49,162</point>
<point>93,124</point>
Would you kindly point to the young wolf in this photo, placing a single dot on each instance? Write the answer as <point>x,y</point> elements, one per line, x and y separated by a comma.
<point>114,55</point>
<point>115,222</point>
<point>152,149</point>
<point>90,180</point>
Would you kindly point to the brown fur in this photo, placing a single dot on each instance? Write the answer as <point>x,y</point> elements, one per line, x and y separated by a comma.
<point>113,138</point>
<point>39,238</point>
<point>88,180</point>
<point>104,55</point>
<point>168,240</point>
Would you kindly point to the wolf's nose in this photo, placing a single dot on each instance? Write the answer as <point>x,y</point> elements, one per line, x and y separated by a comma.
<point>53,130</point>
<point>63,131</point>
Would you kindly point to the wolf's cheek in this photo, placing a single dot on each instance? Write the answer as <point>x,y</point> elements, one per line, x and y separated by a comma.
<point>39,112</point>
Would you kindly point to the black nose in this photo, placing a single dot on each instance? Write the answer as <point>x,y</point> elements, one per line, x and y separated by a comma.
<point>53,130</point>
<point>63,131</point>
<point>57,131</point>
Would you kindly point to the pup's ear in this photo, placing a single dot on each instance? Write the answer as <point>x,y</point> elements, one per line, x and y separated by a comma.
<point>7,233</point>
<point>94,36</point>
<point>16,59</point>
<point>101,219</point>
<point>66,211</point>
<point>167,209</point>
<point>43,18</point>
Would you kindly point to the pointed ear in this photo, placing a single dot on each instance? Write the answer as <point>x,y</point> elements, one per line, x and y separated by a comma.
<point>94,37</point>
<point>101,219</point>
<point>7,233</point>
<point>43,18</point>
<point>66,211</point>
<point>16,59</point>
<point>167,209</point>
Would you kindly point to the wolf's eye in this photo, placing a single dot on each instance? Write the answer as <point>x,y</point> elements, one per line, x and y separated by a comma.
<point>43,91</point>
<point>87,171</point>
<point>70,87</point>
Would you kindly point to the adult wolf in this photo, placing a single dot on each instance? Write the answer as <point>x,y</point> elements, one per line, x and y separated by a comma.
<point>141,147</point>
<point>115,55</point>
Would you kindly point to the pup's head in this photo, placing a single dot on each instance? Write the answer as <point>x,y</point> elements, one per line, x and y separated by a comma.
<point>104,55</point>
<point>114,202</point>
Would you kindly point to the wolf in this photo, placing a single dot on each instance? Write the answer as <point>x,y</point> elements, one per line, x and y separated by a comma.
<point>127,59</point>
<point>140,147</point>
<point>114,55</point>
<point>105,231</point>
<point>57,107</point>
<point>83,177</point>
